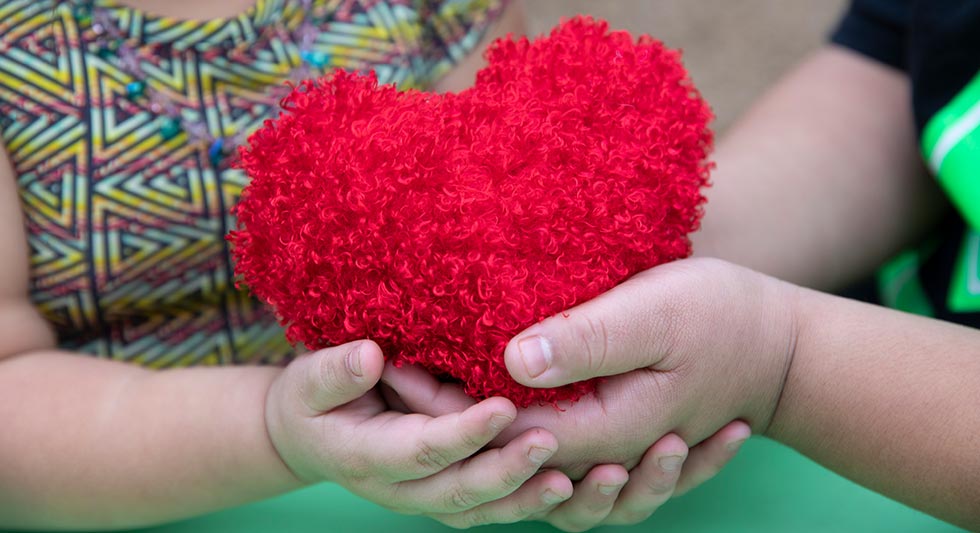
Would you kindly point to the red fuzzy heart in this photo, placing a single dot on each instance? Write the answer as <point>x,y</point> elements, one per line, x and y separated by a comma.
<point>442,225</point>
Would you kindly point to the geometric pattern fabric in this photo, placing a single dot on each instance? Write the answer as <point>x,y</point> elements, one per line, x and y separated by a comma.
<point>126,223</point>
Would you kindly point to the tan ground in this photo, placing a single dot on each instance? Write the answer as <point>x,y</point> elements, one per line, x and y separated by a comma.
<point>733,48</point>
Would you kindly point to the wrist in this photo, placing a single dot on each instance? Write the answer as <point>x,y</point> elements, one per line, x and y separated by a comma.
<point>779,325</point>
<point>272,426</point>
<point>800,302</point>
<point>288,433</point>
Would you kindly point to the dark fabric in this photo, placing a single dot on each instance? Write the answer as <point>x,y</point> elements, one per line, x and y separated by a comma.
<point>936,41</point>
<point>877,29</point>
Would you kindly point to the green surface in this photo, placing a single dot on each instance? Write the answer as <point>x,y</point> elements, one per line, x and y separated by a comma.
<point>766,488</point>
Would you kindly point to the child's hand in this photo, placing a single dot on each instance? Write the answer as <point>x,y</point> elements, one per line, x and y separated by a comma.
<point>686,347</point>
<point>328,423</point>
<point>667,469</point>
<point>609,494</point>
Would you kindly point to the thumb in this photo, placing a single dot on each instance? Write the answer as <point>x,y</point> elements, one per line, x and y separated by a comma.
<point>621,330</point>
<point>329,378</point>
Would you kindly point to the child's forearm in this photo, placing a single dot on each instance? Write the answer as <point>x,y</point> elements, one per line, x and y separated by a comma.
<point>89,443</point>
<point>890,400</point>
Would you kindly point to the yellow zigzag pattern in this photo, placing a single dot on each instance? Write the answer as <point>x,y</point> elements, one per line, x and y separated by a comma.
<point>126,226</point>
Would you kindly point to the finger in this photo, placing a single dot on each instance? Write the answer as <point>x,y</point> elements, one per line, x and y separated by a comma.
<point>536,496</point>
<point>422,393</point>
<point>709,457</point>
<point>651,483</point>
<point>592,500</point>
<point>392,400</point>
<point>621,330</point>
<point>415,446</point>
<point>486,477</point>
<point>332,377</point>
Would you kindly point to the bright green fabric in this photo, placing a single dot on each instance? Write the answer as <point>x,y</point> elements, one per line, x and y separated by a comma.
<point>766,488</point>
<point>899,286</point>
<point>951,145</point>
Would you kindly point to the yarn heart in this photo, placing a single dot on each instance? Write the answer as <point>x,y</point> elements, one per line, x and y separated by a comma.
<point>441,225</point>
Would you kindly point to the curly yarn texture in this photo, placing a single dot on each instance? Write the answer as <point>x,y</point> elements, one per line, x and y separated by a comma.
<point>441,225</point>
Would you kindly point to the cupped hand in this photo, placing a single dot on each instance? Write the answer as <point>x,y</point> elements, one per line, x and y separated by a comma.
<point>682,348</point>
<point>609,494</point>
<point>329,423</point>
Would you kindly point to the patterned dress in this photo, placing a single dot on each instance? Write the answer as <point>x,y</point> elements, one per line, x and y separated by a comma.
<point>126,220</point>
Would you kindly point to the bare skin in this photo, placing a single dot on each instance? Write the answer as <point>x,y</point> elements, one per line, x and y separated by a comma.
<point>885,398</point>
<point>98,444</point>
<point>101,444</point>
<point>818,184</point>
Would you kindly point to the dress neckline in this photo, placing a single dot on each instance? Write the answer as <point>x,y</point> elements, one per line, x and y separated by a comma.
<point>259,13</point>
<point>150,28</point>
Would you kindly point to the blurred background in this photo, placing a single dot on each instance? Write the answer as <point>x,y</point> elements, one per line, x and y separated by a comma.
<point>733,49</point>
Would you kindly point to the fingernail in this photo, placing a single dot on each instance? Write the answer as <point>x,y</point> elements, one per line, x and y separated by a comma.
<point>609,490</point>
<point>551,497</point>
<point>354,362</point>
<point>735,445</point>
<point>670,463</point>
<point>536,354</point>
<point>499,421</point>
<point>539,455</point>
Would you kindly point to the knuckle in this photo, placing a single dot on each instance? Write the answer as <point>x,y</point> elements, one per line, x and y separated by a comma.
<point>327,375</point>
<point>661,486</point>
<point>429,458</point>
<point>510,479</point>
<point>522,510</point>
<point>478,517</point>
<point>461,499</point>
<point>593,335</point>
<point>469,439</point>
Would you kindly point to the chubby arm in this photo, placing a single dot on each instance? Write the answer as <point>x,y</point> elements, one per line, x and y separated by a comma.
<point>820,181</point>
<point>889,400</point>
<point>95,443</point>
<point>92,443</point>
